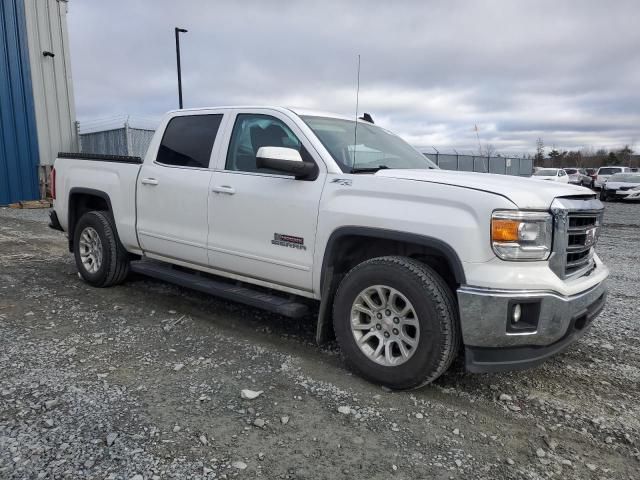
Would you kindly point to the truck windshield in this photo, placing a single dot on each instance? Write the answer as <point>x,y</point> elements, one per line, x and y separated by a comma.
<point>370,149</point>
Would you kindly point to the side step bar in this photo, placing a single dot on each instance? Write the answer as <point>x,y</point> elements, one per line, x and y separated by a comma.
<point>236,293</point>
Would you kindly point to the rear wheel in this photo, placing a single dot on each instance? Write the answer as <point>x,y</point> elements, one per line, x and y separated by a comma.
<point>100,257</point>
<point>396,322</point>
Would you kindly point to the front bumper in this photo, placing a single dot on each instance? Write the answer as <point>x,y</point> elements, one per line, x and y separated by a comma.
<point>491,342</point>
<point>622,194</point>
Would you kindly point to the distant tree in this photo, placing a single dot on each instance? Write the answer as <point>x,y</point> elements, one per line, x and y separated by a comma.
<point>538,160</point>
<point>624,155</point>
<point>612,159</point>
<point>555,155</point>
<point>489,150</point>
<point>575,158</point>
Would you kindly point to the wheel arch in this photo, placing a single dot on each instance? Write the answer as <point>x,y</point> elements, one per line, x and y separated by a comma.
<point>82,200</point>
<point>345,249</point>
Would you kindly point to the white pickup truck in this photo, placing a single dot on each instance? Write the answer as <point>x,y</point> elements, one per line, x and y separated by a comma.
<point>288,210</point>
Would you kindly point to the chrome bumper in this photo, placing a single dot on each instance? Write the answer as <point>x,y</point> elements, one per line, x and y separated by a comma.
<point>491,342</point>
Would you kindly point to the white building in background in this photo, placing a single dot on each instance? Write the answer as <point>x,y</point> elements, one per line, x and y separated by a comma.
<point>51,77</point>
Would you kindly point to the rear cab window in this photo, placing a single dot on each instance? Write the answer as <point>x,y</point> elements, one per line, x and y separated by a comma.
<point>188,140</point>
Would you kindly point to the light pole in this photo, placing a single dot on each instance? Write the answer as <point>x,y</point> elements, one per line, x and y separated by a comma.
<point>178,32</point>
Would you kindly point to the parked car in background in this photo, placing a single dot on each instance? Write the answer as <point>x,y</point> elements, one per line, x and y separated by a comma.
<point>579,176</point>
<point>552,174</point>
<point>604,173</point>
<point>635,169</point>
<point>621,186</point>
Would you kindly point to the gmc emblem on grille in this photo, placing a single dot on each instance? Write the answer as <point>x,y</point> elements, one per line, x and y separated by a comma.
<point>590,237</point>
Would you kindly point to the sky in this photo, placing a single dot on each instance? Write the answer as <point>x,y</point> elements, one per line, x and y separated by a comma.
<point>565,71</point>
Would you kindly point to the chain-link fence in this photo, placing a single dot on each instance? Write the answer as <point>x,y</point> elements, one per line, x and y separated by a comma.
<point>117,136</point>
<point>522,167</point>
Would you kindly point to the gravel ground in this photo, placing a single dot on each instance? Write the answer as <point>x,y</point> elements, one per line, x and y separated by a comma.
<point>144,381</point>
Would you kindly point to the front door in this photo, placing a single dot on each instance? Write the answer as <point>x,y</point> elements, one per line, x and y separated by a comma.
<point>263,224</point>
<point>173,190</point>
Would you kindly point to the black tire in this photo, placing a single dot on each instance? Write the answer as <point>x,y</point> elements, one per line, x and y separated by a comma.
<point>603,195</point>
<point>115,259</point>
<point>436,311</point>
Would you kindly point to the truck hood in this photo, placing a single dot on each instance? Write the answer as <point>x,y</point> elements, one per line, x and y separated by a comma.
<point>526,193</point>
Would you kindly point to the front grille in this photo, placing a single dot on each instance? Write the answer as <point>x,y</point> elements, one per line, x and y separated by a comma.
<point>580,241</point>
<point>577,222</point>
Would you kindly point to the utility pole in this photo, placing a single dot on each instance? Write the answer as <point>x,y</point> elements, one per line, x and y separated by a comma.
<point>178,31</point>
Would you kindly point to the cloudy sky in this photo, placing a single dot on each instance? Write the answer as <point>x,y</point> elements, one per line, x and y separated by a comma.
<point>566,71</point>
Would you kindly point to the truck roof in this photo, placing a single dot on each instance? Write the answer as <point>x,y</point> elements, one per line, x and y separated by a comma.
<point>296,110</point>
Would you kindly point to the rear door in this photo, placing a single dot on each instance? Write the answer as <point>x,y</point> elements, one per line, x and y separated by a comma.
<point>263,224</point>
<point>173,189</point>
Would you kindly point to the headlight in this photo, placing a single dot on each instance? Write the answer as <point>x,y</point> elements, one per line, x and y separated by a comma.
<point>521,235</point>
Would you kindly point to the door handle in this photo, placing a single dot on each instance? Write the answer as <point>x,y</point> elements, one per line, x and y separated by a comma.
<point>149,181</point>
<point>224,189</point>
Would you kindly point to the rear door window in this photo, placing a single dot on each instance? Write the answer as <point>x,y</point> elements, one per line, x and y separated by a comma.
<point>188,141</point>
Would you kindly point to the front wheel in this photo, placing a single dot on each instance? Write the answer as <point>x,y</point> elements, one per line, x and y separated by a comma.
<point>396,322</point>
<point>603,195</point>
<point>100,257</point>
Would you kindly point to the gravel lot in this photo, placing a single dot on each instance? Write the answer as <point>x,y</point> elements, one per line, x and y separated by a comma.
<point>144,381</point>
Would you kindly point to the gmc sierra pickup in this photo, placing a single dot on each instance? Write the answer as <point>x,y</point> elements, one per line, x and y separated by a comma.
<point>286,210</point>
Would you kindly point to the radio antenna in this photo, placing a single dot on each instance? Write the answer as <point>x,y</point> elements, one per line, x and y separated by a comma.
<point>355,129</point>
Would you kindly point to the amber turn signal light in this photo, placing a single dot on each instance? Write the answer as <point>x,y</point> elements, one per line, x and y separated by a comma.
<point>504,230</point>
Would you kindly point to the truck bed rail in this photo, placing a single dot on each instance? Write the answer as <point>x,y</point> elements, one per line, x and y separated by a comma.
<point>100,157</point>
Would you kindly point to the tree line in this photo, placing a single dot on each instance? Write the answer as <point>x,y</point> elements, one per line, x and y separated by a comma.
<point>585,157</point>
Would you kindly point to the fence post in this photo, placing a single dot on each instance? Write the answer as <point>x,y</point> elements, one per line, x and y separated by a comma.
<point>127,136</point>
<point>78,137</point>
<point>437,155</point>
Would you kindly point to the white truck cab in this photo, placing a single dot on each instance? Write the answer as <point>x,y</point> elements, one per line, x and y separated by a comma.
<point>298,211</point>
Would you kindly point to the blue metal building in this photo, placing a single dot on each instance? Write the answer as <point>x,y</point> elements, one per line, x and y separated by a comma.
<point>19,158</point>
<point>37,111</point>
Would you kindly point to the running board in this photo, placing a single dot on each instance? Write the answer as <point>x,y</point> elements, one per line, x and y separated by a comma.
<point>228,291</point>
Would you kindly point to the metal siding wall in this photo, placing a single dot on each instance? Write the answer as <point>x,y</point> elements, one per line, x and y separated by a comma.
<point>18,142</point>
<point>52,85</point>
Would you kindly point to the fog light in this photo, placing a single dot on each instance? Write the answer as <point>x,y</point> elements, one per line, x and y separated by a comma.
<point>517,313</point>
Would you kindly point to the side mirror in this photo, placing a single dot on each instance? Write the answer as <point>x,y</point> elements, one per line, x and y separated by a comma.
<point>285,160</point>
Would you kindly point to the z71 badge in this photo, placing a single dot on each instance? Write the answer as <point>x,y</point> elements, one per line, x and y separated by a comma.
<point>288,241</point>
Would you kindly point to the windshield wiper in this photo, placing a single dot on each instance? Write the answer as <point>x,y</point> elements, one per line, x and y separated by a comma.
<point>369,169</point>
